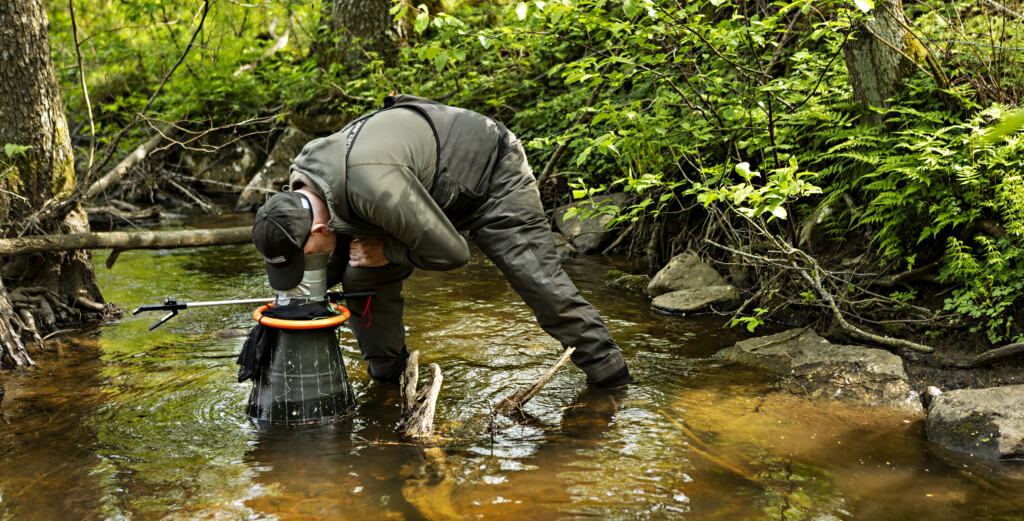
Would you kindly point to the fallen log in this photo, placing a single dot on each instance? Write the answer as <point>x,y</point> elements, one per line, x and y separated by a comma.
<point>418,406</point>
<point>126,164</point>
<point>118,241</point>
<point>515,401</point>
<point>994,355</point>
<point>108,216</point>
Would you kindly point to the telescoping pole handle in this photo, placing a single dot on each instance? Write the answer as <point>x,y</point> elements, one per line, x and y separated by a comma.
<point>173,306</point>
<point>338,297</point>
<point>168,305</point>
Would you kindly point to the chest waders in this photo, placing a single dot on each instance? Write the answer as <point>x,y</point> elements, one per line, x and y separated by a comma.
<point>304,382</point>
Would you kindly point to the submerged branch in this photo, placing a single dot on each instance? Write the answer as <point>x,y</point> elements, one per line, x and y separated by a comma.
<point>516,401</point>
<point>418,407</point>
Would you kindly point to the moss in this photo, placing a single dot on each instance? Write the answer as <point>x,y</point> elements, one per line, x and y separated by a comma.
<point>62,180</point>
<point>969,431</point>
<point>622,280</point>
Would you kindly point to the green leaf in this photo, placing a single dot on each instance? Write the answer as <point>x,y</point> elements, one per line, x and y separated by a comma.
<point>12,150</point>
<point>557,14</point>
<point>422,21</point>
<point>629,9</point>
<point>1009,125</point>
<point>779,212</point>
<point>441,60</point>
<point>521,10</point>
<point>484,41</point>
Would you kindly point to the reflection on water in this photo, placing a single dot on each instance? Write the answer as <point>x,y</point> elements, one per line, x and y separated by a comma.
<point>122,423</point>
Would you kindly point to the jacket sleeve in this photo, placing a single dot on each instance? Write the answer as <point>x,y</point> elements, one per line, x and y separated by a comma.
<point>390,197</point>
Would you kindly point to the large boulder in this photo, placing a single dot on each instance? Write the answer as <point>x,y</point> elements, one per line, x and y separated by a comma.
<point>227,168</point>
<point>562,246</point>
<point>274,173</point>
<point>589,234</point>
<point>721,298</point>
<point>807,364</point>
<point>987,423</point>
<point>684,271</point>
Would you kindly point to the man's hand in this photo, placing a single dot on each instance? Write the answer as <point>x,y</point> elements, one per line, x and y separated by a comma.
<point>366,252</point>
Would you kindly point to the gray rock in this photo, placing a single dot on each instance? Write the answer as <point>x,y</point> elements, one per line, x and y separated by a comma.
<point>807,364</point>
<point>227,169</point>
<point>987,423</point>
<point>562,246</point>
<point>319,124</point>
<point>684,271</point>
<point>589,234</point>
<point>722,298</point>
<point>274,173</point>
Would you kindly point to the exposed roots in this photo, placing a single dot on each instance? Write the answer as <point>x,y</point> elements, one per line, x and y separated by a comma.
<point>32,314</point>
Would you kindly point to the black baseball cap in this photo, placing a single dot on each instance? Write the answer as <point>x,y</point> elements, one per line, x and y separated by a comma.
<point>280,233</point>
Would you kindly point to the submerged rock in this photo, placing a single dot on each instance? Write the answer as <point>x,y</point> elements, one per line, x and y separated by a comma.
<point>807,364</point>
<point>684,271</point>
<point>589,234</point>
<point>622,280</point>
<point>721,298</point>
<point>988,423</point>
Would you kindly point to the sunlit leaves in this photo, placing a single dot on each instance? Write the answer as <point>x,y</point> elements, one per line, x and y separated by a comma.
<point>864,5</point>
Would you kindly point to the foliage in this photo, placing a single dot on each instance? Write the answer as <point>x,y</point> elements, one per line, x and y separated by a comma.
<point>991,282</point>
<point>927,190</point>
<point>752,323</point>
<point>739,110</point>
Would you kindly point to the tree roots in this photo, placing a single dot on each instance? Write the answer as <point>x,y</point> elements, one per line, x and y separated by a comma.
<point>37,311</point>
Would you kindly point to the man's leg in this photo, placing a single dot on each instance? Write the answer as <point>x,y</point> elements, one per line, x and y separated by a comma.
<point>380,331</point>
<point>516,236</point>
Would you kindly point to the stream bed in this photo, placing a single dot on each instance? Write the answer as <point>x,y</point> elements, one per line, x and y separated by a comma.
<point>123,423</point>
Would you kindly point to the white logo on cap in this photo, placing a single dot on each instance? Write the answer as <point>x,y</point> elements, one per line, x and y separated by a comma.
<point>276,260</point>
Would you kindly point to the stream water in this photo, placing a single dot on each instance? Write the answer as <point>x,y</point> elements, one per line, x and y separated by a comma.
<point>123,423</point>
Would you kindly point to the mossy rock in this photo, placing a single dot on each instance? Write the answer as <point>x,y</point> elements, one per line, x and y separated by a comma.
<point>622,280</point>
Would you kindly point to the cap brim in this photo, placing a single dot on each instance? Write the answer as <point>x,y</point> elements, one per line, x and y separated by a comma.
<point>284,277</point>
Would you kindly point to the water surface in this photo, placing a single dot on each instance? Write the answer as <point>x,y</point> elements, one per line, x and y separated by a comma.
<point>122,423</point>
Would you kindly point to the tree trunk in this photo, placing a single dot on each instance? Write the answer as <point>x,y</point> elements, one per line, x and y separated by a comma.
<point>42,287</point>
<point>881,55</point>
<point>354,28</point>
<point>351,29</point>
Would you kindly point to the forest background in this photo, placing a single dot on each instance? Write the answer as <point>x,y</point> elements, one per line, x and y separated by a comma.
<point>851,165</point>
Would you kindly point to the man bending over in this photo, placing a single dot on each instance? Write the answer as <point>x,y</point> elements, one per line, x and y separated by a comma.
<point>391,191</point>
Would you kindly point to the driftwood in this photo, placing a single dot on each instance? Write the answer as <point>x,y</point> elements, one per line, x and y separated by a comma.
<point>126,164</point>
<point>418,407</point>
<point>108,216</point>
<point>992,356</point>
<point>515,401</point>
<point>125,240</point>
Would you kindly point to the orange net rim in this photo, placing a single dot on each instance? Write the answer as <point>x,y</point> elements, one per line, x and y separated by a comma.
<point>316,323</point>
